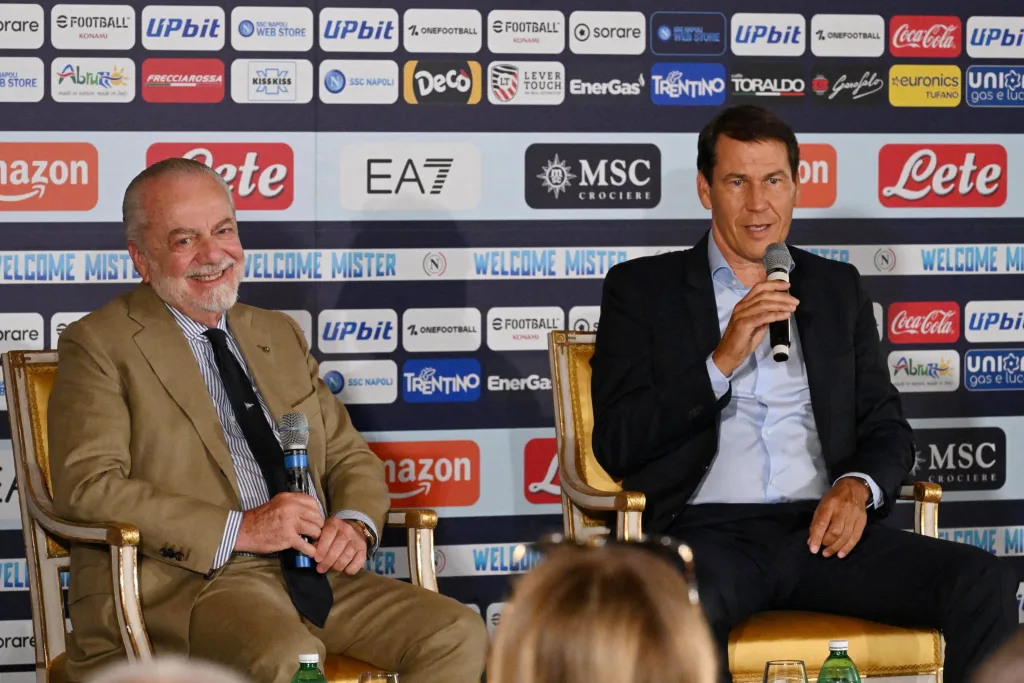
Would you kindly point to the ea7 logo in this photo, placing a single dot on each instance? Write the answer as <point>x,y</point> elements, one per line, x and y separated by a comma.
<point>260,174</point>
<point>407,176</point>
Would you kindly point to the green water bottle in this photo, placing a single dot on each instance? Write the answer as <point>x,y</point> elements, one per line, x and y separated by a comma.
<point>309,670</point>
<point>838,668</point>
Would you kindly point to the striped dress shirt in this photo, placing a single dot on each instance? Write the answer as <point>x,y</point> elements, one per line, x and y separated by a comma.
<point>251,484</point>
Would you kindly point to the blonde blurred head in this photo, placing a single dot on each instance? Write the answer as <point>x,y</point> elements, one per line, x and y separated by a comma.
<point>602,615</point>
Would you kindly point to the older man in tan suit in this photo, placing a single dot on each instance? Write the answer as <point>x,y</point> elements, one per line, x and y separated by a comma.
<point>164,415</point>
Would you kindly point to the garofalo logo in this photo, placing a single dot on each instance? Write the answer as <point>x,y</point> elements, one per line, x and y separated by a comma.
<point>593,176</point>
<point>965,459</point>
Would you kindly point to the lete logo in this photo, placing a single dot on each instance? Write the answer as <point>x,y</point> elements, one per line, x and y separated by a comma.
<point>261,174</point>
<point>430,473</point>
<point>540,464</point>
<point>924,322</point>
<point>916,176</point>
<point>48,176</point>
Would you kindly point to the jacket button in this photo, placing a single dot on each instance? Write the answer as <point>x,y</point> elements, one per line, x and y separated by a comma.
<point>164,552</point>
<point>694,413</point>
<point>179,557</point>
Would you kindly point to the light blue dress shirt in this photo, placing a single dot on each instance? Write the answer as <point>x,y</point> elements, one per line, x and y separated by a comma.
<point>768,446</point>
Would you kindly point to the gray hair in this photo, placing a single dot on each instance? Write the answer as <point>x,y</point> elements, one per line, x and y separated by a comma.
<point>168,669</point>
<point>133,215</point>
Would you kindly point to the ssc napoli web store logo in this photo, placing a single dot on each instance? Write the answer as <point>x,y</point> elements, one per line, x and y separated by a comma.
<point>688,33</point>
<point>448,380</point>
<point>687,84</point>
<point>246,29</point>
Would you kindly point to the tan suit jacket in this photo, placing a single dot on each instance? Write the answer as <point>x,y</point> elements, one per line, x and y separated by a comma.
<point>134,437</point>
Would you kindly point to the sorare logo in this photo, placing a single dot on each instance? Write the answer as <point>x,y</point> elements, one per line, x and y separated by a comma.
<point>687,84</point>
<point>995,86</point>
<point>688,34</point>
<point>441,380</point>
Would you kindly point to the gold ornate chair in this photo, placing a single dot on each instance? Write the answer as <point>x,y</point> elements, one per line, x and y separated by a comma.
<point>593,503</point>
<point>29,377</point>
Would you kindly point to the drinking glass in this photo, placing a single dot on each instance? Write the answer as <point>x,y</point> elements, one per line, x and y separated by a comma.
<point>377,677</point>
<point>785,671</point>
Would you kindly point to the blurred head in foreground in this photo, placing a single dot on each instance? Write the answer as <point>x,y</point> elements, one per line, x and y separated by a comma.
<point>168,670</point>
<point>602,615</point>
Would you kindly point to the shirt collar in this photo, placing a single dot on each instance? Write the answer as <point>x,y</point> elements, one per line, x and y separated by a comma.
<point>722,271</point>
<point>192,329</point>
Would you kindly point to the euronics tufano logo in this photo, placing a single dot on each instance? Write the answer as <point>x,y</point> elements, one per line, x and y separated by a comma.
<point>925,85</point>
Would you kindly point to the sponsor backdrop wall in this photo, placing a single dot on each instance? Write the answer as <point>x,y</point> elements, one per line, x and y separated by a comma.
<point>430,190</point>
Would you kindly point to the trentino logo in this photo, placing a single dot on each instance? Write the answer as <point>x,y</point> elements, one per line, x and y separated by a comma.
<point>439,380</point>
<point>687,84</point>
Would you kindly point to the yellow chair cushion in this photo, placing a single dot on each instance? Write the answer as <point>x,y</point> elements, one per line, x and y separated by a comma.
<point>876,649</point>
<point>342,669</point>
<point>337,669</point>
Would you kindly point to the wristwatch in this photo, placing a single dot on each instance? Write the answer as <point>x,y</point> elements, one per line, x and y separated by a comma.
<point>367,534</point>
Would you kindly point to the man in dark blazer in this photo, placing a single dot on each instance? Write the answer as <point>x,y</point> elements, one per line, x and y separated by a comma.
<point>775,473</point>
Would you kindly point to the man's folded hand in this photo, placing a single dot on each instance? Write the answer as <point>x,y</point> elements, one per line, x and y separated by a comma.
<point>840,518</point>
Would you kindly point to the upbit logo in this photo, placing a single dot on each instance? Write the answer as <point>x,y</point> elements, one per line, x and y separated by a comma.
<point>769,34</point>
<point>358,330</point>
<point>359,30</point>
<point>183,28</point>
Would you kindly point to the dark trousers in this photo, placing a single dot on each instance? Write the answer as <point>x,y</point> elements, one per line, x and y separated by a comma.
<point>752,558</point>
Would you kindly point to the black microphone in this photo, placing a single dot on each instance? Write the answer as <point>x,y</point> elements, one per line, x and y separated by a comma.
<point>294,430</point>
<point>777,263</point>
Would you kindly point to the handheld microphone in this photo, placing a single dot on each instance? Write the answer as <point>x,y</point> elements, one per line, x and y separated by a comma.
<point>294,430</point>
<point>777,262</point>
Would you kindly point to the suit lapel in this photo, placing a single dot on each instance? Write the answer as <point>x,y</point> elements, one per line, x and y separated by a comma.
<point>700,296</point>
<point>162,343</point>
<point>812,324</point>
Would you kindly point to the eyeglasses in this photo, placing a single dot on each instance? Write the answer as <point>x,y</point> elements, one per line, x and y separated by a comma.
<point>675,552</point>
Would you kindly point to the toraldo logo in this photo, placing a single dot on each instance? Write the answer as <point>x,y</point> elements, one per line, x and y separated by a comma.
<point>48,176</point>
<point>261,174</point>
<point>924,322</point>
<point>430,473</point>
<point>540,465</point>
<point>964,459</point>
<point>817,173</point>
<point>443,82</point>
<point>920,176</point>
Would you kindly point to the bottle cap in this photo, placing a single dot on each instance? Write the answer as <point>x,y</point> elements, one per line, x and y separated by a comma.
<point>309,659</point>
<point>839,645</point>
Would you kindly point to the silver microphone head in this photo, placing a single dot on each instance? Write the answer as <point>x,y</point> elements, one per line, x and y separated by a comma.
<point>777,257</point>
<point>294,429</point>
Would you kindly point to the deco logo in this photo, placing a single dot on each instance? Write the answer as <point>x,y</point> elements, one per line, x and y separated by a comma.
<point>593,176</point>
<point>443,82</point>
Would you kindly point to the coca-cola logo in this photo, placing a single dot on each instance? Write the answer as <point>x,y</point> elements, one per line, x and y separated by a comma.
<point>942,175</point>
<point>924,322</point>
<point>913,36</point>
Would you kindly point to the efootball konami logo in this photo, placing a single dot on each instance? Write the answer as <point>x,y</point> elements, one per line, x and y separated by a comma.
<point>557,176</point>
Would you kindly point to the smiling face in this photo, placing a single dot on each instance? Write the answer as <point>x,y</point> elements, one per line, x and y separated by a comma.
<point>190,254</point>
<point>751,197</point>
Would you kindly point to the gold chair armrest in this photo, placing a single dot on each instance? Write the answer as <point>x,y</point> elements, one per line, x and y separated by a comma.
<point>112,533</point>
<point>926,497</point>
<point>590,498</point>
<point>413,519</point>
<point>921,491</point>
<point>419,528</point>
